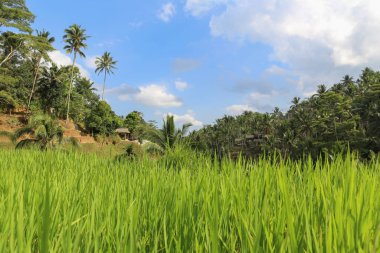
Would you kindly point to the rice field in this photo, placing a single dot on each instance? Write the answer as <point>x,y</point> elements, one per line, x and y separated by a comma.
<point>71,202</point>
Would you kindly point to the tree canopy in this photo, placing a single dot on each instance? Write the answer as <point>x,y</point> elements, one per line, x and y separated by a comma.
<point>15,14</point>
<point>344,116</point>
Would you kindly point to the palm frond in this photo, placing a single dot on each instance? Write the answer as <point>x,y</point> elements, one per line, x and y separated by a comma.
<point>26,143</point>
<point>23,131</point>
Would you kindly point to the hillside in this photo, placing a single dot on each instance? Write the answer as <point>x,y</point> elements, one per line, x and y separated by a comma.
<point>10,123</point>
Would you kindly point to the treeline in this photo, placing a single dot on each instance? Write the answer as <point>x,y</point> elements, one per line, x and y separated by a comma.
<point>31,83</point>
<point>345,116</point>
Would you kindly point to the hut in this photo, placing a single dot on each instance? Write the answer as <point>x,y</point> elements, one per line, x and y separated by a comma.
<point>124,133</point>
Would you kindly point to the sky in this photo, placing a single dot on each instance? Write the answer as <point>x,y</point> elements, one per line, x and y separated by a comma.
<point>201,59</point>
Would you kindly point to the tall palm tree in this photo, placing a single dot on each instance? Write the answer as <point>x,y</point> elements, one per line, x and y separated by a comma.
<point>75,39</point>
<point>42,46</point>
<point>105,64</point>
<point>167,137</point>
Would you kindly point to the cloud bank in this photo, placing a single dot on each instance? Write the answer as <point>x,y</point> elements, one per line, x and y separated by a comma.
<point>319,41</point>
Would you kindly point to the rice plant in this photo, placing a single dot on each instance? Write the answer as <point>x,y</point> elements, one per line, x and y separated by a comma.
<point>71,202</point>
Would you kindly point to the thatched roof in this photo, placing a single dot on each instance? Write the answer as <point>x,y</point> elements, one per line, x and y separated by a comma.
<point>122,131</point>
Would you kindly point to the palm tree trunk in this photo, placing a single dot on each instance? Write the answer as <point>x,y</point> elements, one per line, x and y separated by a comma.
<point>34,83</point>
<point>104,84</point>
<point>70,89</point>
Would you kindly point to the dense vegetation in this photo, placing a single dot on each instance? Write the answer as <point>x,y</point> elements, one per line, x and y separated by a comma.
<point>31,83</point>
<point>180,193</point>
<point>347,115</point>
<point>75,203</point>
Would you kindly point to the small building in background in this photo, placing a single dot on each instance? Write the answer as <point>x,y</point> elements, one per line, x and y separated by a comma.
<point>124,134</point>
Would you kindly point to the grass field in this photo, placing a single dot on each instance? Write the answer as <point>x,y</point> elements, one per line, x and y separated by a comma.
<point>71,202</point>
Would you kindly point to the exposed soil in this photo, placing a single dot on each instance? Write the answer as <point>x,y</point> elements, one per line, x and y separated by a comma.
<point>10,123</point>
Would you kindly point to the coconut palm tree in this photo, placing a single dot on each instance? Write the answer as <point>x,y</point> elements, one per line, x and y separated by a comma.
<point>41,131</point>
<point>75,39</point>
<point>322,89</point>
<point>168,137</point>
<point>42,46</point>
<point>105,64</point>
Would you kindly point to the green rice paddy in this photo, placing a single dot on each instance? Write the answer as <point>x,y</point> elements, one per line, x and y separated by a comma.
<point>71,202</point>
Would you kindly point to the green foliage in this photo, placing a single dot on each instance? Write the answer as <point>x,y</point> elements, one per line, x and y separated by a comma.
<point>105,64</point>
<point>41,131</point>
<point>131,151</point>
<point>7,102</point>
<point>133,120</point>
<point>102,120</point>
<point>75,38</point>
<point>82,203</point>
<point>15,14</point>
<point>168,137</point>
<point>347,115</point>
<point>39,51</point>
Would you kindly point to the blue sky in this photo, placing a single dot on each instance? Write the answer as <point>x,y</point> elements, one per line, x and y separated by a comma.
<point>201,59</point>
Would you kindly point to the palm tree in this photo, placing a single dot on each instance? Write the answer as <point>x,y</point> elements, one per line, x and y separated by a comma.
<point>105,64</point>
<point>295,102</point>
<point>75,38</point>
<point>168,137</point>
<point>42,131</point>
<point>43,46</point>
<point>322,89</point>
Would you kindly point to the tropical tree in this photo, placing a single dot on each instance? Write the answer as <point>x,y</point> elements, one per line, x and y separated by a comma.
<point>41,131</point>
<point>7,102</point>
<point>75,38</point>
<point>295,102</point>
<point>133,120</point>
<point>168,137</point>
<point>52,89</point>
<point>102,120</point>
<point>42,46</point>
<point>15,14</point>
<point>10,43</point>
<point>321,89</point>
<point>105,64</point>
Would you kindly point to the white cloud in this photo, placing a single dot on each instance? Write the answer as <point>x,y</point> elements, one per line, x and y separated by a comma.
<point>239,109</point>
<point>320,41</point>
<point>167,12</point>
<point>186,119</point>
<point>181,85</point>
<point>156,96</point>
<point>90,62</point>
<point>62,59</point>
<point>153,95</point>
<point>199,7</point>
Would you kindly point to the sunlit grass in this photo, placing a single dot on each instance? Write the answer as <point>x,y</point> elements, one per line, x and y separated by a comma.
<point>71,202</point>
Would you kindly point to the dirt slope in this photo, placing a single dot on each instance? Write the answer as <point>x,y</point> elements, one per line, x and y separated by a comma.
<point>10,123</point>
